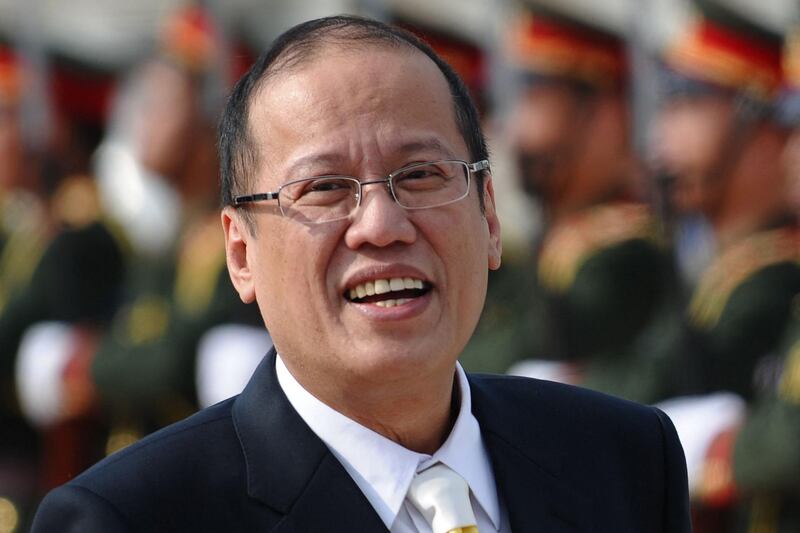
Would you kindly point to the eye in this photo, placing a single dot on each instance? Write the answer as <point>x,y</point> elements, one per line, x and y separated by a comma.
<point>319,191</point>
<point>327,185</point>
<point>424,177</point>
<point>421,173</point>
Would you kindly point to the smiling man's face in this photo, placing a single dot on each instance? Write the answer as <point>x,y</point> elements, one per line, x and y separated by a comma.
<point>362,113</point>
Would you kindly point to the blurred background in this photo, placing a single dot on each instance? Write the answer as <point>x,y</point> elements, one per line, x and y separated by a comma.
<point>646,160</point>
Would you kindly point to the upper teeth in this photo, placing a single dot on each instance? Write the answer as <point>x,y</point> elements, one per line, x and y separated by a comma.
<point>382,286</point>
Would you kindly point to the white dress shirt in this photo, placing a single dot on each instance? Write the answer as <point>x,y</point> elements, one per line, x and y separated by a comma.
<point>383,469</point>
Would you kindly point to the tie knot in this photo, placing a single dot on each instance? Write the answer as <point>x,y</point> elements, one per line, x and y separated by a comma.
<point>442,496</point>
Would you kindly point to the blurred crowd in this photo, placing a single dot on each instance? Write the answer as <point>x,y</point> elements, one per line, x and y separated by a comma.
<point>646,159</point>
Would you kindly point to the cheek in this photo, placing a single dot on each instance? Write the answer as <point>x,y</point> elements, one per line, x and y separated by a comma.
<point>705,144</point>
<point>463,250</point>
<point>294,266</point>
<point>544,133</point>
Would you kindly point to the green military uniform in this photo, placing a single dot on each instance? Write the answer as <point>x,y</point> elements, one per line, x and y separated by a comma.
<point>766,459</point>
<point>24,237</point>
<point>766,455</point>
<point>73,276</point>
<point>176,285</point>
<point>145,366</point>
<point>742,304</point>
<point>741,307</point>
<point>604,277</point>
<point>512,325</point>
<point>586,294</point>
<point>735,341</point>
<point>588,301</point>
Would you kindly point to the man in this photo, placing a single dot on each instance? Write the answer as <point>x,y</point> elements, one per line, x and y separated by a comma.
<point>57,263</point>
<point>761,457</point>
<point>599,271</point>
<point>176,287</point>
<point>719,134</point>
<point>371,287</point>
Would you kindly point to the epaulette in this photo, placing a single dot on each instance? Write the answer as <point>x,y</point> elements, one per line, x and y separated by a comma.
<point>789,389</point>
<point>200,260</point>
<point>736,265</point>
<point>27,236</point>
<point>76,202</point>
<point>145,320</point>
<point>764,512</point>
<point>572,242</point>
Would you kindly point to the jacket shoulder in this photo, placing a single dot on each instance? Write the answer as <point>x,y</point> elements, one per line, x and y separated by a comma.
<point>161,477</point>
<point>559,417</point>
<point>605,448</point>
<point>539,393</point>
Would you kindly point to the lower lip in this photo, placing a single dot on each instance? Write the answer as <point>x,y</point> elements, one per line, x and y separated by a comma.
<point>410,309</point>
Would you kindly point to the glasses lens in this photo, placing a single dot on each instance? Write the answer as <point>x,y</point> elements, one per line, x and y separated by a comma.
<point>319,199</point>
<point>431,184</point>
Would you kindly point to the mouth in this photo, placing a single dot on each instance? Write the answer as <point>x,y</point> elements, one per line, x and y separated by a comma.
<point>389,292</point>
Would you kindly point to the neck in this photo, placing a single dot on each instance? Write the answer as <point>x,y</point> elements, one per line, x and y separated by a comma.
<point>421,426</point>
<point>418,414</point>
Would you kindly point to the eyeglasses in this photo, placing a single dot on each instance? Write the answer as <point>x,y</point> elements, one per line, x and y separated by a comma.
<point>330,198</point>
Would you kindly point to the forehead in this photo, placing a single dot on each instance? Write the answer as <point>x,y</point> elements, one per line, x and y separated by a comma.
<point>355,106</point>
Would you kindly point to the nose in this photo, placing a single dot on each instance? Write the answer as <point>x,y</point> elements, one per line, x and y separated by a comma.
<point>379,220</point>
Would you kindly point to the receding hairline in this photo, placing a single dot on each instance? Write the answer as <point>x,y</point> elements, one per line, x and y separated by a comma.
<point>339,45</point>
<point>303,43</point>
<point>290,61</point>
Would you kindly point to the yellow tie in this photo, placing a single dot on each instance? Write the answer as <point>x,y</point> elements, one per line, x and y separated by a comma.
<point>442,497</point>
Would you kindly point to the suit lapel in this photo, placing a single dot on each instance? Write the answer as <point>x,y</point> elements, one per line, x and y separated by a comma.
<point>527,475</point>
<point>289,468</point>
<point>331,502</point>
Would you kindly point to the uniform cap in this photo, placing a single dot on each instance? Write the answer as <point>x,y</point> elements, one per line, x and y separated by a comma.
<point>724,49</point>
<point>550,44</point>
<point>466,57</point>
<point>11,74</point>
<point>788,108</point>
<point>188,38</point>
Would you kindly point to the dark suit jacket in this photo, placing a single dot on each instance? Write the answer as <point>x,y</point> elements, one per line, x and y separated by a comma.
<point>565,459</point>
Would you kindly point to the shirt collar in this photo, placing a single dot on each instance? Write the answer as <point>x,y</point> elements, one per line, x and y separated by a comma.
<point>465,453</point>
<point>383,469</point>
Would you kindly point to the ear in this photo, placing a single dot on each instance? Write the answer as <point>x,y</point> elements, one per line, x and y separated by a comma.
<point>495,248</point>
<point>237,238</point>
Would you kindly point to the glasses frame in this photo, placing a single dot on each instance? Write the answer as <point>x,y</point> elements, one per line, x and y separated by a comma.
<point>478,166</point>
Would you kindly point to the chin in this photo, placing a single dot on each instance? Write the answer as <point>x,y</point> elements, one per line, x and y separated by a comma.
<point>397,358</point>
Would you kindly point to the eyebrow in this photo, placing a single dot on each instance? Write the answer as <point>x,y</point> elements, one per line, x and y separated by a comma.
<point>431,144</point>
<point>403,150</point>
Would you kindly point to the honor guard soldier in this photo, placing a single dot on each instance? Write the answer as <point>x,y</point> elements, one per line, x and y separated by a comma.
<point>176,289</point>
<point>598,271</point>
<point>719,136</point>
<point>763,455</point>
<point>23,236</point>
<point>722,135</point>
<point>60,269</point>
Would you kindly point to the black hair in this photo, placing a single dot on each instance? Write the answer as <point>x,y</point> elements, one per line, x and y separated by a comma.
<point>239,156</point>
